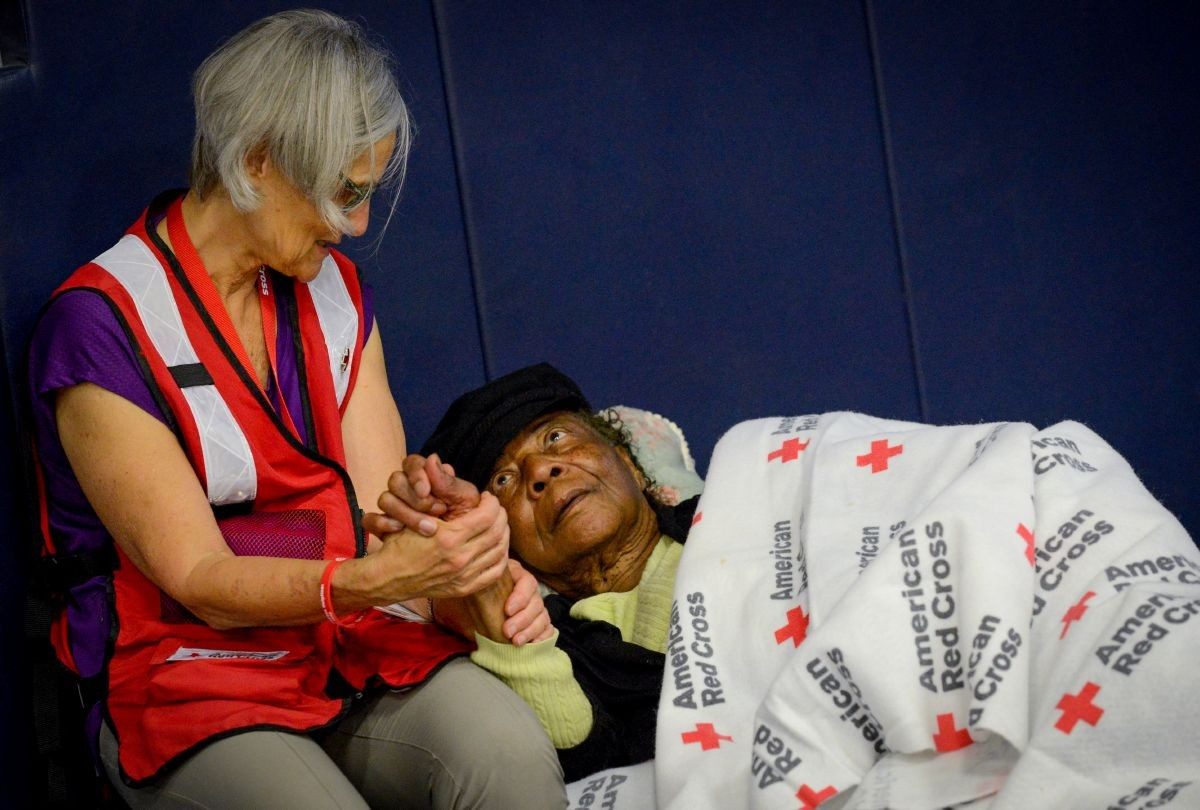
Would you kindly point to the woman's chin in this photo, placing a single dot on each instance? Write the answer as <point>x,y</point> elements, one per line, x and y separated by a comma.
<point>310,268</point>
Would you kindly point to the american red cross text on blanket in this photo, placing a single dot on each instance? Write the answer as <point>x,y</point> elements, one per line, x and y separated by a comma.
<point>881,614</point>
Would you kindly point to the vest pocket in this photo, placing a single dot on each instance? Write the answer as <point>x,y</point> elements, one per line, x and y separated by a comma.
<point>272,668</point>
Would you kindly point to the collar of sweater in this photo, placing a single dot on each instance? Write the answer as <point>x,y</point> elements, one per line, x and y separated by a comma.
<point>643,614</point>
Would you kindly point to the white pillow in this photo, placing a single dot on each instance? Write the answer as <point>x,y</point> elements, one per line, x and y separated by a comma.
<point>663,453</point>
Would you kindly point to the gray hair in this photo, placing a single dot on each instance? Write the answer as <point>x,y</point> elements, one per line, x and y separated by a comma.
<point>309,88</point>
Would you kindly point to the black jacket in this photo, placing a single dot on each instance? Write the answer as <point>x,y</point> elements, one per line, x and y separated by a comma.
<point>622,680</point>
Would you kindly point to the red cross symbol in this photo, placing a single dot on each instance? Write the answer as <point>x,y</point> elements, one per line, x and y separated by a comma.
<point>812,798</point>
<point>950,738</point>
<point>1075,612</point>
<point>788,451</point>
<point>1027,536</point>
<point>879,455</point>
<point>696,518</point>
<point>1079,707</point>
<point>795,629</point>
<point>706,735</point>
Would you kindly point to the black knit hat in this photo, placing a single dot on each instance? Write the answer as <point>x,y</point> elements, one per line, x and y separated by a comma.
<point>478,425</point>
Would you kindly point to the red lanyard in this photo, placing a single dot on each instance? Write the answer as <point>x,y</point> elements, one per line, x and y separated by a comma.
<point>193,267</point>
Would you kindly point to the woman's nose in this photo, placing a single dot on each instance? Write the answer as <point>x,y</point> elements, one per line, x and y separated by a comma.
<point>541,470</point>
<point>359,218</point>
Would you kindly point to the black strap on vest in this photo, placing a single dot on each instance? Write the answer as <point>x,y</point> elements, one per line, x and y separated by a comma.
<point>58,573</point>
<point>62,773</point>
<point>188,375</point>
<point>65,774</point>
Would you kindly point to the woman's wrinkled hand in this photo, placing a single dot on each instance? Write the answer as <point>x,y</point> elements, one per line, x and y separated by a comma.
<point>528,620</point>
<point>462,557</point>
<point>509,612</point>
<point>422,490</point>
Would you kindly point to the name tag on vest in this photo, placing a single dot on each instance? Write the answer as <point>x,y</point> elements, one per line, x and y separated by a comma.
<point>198,653</point>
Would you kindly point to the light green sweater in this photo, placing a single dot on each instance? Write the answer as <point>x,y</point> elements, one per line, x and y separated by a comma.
<point>541,673</point>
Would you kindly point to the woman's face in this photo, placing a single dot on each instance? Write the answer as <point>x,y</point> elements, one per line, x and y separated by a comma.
<point>569,493</point>
<point>287,228</point>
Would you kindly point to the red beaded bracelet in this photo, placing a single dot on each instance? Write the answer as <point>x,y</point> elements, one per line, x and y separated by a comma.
<point>327,597</point>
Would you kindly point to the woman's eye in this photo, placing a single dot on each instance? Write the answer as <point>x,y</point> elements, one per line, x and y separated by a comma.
<point>554,435</point>
<point>500,481</point>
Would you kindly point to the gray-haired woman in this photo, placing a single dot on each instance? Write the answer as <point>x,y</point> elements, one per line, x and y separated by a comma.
<point>210,399</point>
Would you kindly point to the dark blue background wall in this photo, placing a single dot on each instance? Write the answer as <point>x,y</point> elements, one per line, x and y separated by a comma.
<point>936,211</point>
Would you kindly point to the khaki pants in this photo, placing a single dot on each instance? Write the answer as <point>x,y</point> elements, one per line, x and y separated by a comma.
<point>461,740</point>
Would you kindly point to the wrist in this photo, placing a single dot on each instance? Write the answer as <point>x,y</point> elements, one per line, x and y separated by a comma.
<point>356,586</point>
<point>332,614</point>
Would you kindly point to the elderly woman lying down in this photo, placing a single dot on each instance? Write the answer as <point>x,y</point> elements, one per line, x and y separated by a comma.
<point>867,614</point>
<point>585,521</point>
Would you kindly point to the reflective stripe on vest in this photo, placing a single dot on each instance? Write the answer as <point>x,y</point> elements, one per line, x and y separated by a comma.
<point>228,463</point>
<point>339,322</point>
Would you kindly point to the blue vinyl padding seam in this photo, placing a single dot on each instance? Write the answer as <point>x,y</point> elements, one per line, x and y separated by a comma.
<point>894,200</point>
<point>463,206</point>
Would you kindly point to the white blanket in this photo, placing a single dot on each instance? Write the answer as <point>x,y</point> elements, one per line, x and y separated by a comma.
<point>879,614</point>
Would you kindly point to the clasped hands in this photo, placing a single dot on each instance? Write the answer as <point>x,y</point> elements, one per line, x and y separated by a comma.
<point>460,552</point>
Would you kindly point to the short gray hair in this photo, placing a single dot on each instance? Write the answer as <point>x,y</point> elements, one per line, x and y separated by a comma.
<point>311,89</point>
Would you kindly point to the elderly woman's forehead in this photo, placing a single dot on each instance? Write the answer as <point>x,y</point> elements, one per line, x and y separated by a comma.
<point>543,421</point>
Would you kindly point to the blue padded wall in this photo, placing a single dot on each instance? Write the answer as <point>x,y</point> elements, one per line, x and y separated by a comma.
<point>1048,185</point>
<point>682,205</point>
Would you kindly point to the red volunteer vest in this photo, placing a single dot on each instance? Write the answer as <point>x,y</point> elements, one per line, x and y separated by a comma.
<point>174,682</point>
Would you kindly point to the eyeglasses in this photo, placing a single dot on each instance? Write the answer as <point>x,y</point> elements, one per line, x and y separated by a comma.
<point>352,194</point>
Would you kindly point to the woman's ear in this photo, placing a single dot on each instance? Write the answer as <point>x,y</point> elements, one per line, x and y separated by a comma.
<point>258,163</point>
